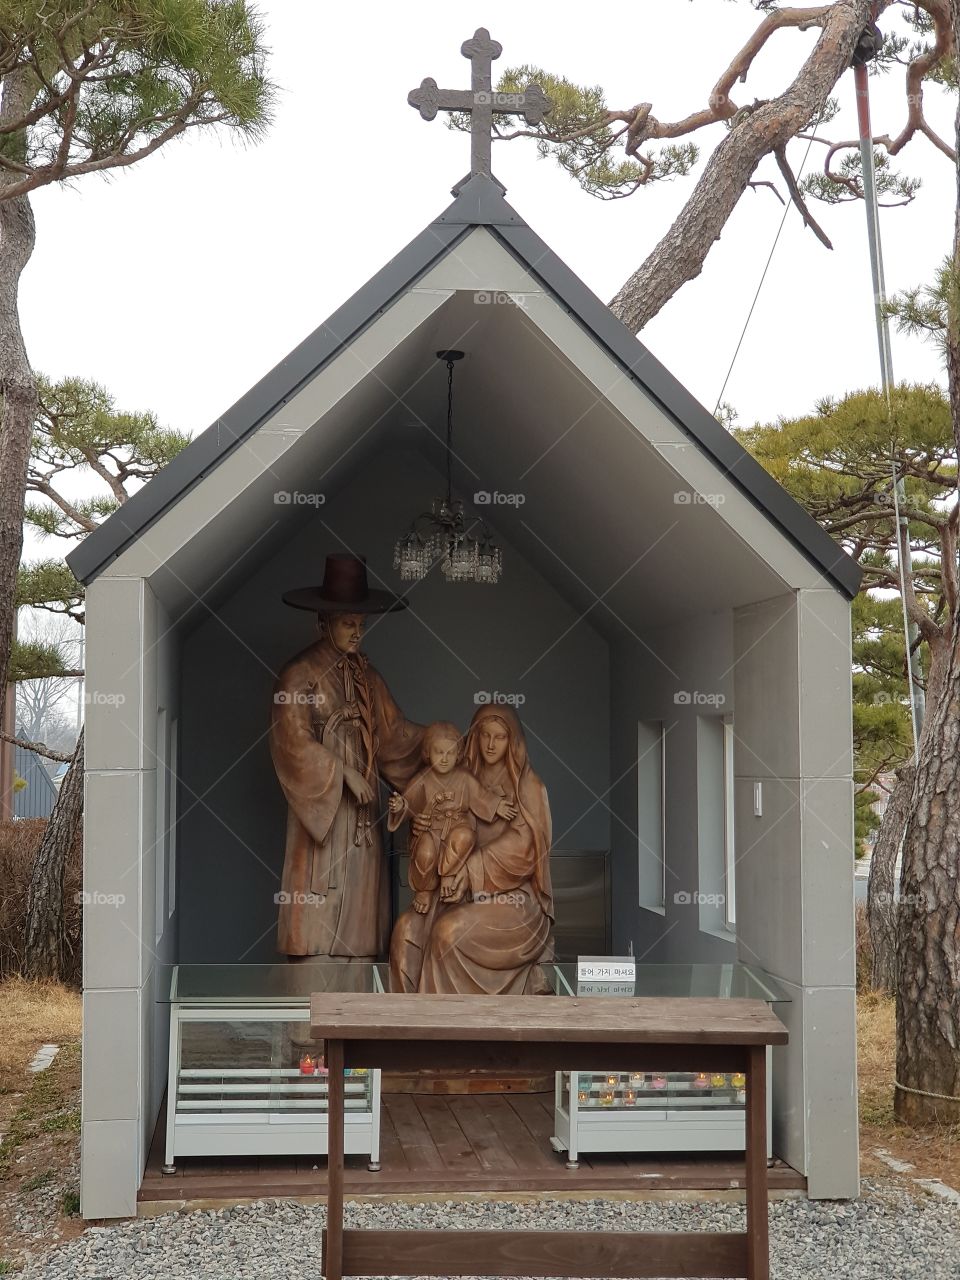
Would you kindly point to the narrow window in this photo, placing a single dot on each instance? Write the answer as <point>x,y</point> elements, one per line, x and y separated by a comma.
<point>160,836</point>
<point>651,844</point>
<point>173,766</point>
<point>729,828</point>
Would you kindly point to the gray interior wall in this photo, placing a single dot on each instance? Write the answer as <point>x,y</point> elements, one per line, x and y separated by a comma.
<point>455,643</point>
<point>674,675</point>
<point>781,667</point>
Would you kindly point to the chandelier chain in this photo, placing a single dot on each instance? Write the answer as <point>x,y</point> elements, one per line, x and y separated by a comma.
<point>443,537</point>
<point>449,431</point>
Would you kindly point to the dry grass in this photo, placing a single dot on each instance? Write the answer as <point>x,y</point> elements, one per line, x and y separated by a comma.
<point>40,1113</point>
<point>876,1056</point>
<point>934,1151</point>
<point>33,1013</point>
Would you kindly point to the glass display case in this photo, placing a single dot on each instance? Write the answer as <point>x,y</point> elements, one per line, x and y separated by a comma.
<point>637,1111</point>
<point>245,1076</point>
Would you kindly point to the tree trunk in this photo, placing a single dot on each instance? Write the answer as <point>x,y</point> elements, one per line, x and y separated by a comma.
<point>680,255</point>
<point>43,932</point>
<point>18,385</point>
<point>928,997</point>
<point>953,298</point>
<point>928,994</point>
<point>881,907</point>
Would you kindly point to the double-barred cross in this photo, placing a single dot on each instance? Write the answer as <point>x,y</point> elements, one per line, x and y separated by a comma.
<point>479,100</point>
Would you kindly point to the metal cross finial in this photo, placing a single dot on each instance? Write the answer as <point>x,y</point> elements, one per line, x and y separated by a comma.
<point>479,100</point>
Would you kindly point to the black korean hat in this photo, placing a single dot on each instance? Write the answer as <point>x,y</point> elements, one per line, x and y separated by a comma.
<point>344,590</point>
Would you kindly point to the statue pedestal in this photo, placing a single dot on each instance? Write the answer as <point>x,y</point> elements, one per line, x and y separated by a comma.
<point>464,1082</point>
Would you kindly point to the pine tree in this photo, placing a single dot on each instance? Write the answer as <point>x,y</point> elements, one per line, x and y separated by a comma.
<point>839,463</point>
<point>78,431</point>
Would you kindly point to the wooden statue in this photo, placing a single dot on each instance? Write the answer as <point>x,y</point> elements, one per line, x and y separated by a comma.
<point>335,729</point>
<point>488,927</point>
<point>448,800</point>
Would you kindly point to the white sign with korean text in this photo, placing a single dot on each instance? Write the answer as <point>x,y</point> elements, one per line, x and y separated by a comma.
<point>606,975</point>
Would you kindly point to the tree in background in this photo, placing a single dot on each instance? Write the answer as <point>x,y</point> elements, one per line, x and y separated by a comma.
<point>882,734</point>
<point>839,463</point>
<point>613,152</point>
<point>584,135</point>
<point>47,643</point>
<point>928,998</point>
<point>87,87</point>
<point>79,435</point>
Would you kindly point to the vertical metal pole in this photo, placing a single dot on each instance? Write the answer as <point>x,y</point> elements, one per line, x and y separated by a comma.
<point>861,78</point>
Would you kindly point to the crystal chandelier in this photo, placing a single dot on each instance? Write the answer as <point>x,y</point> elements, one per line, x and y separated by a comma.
<point>442,536</point>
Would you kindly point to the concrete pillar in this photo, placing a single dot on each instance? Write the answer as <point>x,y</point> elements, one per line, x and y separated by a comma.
<point>793,761</point>
<point>119,958</point>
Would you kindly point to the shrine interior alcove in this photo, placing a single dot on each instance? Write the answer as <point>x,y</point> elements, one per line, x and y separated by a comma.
<point>615,598</point>
<point>457,643</point>
<point>677,629</point>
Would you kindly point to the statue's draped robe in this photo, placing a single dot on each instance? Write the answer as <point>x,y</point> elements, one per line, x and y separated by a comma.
<point>494,944</point>
<point>332,710</point>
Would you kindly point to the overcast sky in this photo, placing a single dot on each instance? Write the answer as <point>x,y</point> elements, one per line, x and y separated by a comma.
<point>179,282</point>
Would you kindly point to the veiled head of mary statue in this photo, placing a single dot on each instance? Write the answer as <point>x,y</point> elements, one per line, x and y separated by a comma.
<point>495,733</point>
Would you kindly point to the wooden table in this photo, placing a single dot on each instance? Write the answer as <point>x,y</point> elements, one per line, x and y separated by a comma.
<point>529,1033</point>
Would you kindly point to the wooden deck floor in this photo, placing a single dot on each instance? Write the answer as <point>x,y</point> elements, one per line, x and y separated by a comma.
<point>482,1142</point>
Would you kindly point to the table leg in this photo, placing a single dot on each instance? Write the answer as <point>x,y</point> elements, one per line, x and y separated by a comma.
<point>333,1254</point>
<point>758,1246</point>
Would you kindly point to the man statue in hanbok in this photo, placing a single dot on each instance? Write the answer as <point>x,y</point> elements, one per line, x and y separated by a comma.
<point>335,731</point>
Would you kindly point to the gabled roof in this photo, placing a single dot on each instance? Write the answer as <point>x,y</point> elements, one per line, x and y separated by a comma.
<point>479,201</point>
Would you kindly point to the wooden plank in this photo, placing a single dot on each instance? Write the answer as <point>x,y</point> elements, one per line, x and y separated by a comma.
<point>452,1145</point>
<point>277,1166</point>
<point>538,1056</point>
<point>758,1255</point>
<point>601,1178</point>
<point>414,1137</point>
<point>490,1149</point>
<point>641,1020</point>
<point>544,1253</point>
<point>333,1236</point>
<point>531,1154</point>
<point>392,1154</point>
<point>528,1109</point>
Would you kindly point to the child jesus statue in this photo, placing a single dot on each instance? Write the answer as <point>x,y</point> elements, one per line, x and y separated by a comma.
<point>452,799</point>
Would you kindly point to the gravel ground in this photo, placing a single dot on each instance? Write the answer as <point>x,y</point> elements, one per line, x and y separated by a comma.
<point>888,1234</point>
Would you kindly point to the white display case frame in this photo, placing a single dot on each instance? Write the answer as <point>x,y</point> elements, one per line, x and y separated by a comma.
<point>280,1093</point>
<point>678,1118</point>
<point>673,1121</point>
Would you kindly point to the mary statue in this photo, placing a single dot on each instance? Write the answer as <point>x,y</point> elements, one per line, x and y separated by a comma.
<point>492,927</point>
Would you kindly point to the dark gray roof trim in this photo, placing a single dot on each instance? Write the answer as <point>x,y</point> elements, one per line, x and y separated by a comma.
<point>478,202</point>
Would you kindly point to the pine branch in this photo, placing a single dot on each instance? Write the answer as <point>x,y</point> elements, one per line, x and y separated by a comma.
<point>38,748</point>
